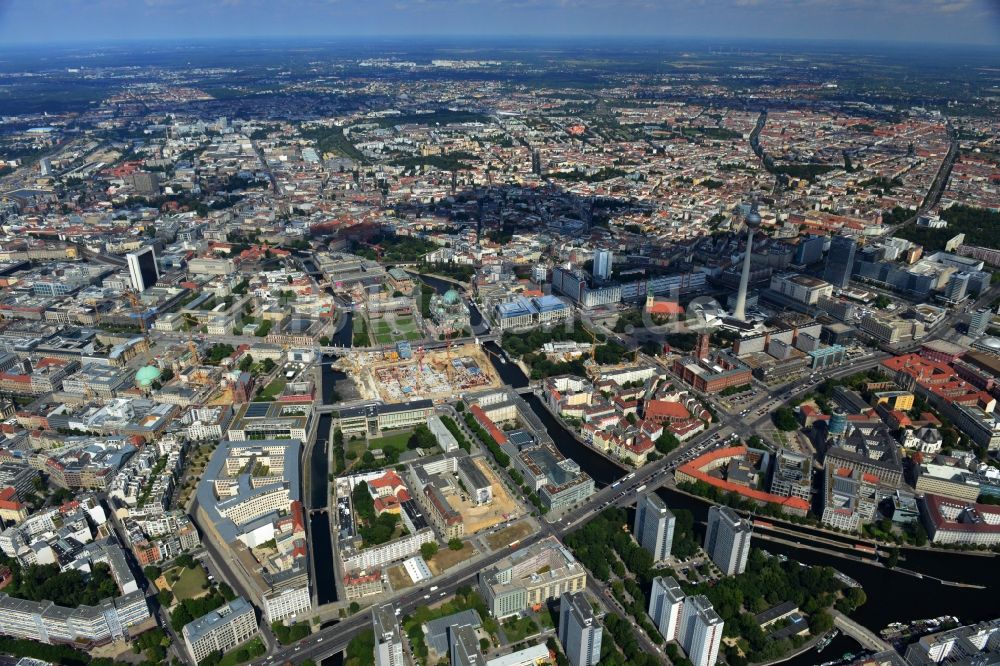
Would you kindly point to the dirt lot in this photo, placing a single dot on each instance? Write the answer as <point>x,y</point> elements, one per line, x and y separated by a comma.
<point>478,518</point>
<point>447,558</point>
<point>398,578</point>
<point>510,534</point>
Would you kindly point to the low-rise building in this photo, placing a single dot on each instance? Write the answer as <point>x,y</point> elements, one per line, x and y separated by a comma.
<point>951,521</point>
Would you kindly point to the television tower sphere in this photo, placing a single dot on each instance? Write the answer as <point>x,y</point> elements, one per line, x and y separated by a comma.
<point>753,217</point>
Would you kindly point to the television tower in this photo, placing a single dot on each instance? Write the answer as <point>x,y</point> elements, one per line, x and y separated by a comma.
<point>752,221</point>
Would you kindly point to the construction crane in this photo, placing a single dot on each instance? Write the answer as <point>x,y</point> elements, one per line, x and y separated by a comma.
<point>447,355</point>
<point>593,337</point>
<point>195,356</point>
<point>133,300</point>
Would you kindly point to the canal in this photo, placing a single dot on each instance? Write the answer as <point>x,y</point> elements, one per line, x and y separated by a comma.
<point>893,596</point>
<point>319,464</point>
<point>322,547</point>
<point>319,519</point>
<point>344,334</point>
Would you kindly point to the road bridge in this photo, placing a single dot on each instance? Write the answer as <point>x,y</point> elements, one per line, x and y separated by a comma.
<point>858,632</point>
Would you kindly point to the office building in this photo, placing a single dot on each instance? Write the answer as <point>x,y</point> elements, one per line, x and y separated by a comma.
<point>602,264</point>
<point>727,540</point>
<point>958,285</point>
<point>531,576</point>
<point>803,289</point>
<point>701,631</point>
<point>142,269</point>
<point>388,638</point>
<point>809,250</point>
<point>666,603</point>
<point>963,646</point>
<point>792,475</point>
<point>220,630</point>
<point>840,261</point>
<point>464,647</point>
<point>579,632</point>
<point>654,526</point>
<point>979,321</point>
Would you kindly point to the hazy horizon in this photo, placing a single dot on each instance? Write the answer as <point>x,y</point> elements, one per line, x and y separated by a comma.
<point>970,23</point>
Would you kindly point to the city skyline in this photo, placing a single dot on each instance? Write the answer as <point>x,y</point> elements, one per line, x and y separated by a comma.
<point>942,22</point>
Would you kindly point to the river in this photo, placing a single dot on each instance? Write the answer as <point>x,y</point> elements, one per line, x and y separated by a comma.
<point>892,596</point>
<point>344,335</point>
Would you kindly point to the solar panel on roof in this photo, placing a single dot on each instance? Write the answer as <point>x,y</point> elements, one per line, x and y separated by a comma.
<point>256,410</point>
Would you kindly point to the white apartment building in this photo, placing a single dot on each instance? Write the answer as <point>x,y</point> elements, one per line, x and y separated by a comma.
<point>281,604</point>
<point>376,556</point>
<point>666,601</point>
<point>701,631</point>
<point>220,630</point>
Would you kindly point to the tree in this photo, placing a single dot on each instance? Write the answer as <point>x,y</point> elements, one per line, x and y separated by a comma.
<point>428,550</point>
<point>784,419</point>
<point>226,591</point>
<point>165,597</point>
<point>820,622</point>
<point>455,544</point>
<point>354,607</point>
<point>186,560</point>
<point>152,571</point>
<point>893,560</point>
<point>246,363</point>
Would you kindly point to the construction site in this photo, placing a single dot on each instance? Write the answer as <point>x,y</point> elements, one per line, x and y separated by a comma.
<point>437,375</point>
<point>477,518</point>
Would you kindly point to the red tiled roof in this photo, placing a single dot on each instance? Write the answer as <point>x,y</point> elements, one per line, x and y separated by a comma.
<point>487,423</point>
<point>934,503</point>
<point>666,410</point>
<point>665,308</point>
<point>694,469</point>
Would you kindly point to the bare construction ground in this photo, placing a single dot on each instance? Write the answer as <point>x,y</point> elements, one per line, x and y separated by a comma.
<point>436,375</point>
<point>398,578</point>
<point>501,509</point>
<point>509,535</point>
<point>446,558</point>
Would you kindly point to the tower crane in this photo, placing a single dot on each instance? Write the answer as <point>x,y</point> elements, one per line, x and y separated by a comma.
<point>195,356</point>
<point>133,300</point>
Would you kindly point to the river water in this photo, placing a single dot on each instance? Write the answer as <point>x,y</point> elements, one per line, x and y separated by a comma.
<point>892,596</point>
<point>319,521</point>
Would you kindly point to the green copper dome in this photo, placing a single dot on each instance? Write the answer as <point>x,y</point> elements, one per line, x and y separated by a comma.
<point>450,297</point>
<point>147,375</point>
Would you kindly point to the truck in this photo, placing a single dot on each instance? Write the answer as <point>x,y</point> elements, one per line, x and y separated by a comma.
<point>640,489</point>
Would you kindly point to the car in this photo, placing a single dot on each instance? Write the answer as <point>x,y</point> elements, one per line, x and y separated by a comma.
<point>320,639</point>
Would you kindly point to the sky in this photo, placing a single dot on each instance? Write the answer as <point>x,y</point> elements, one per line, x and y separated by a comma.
<point>972,22</point>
